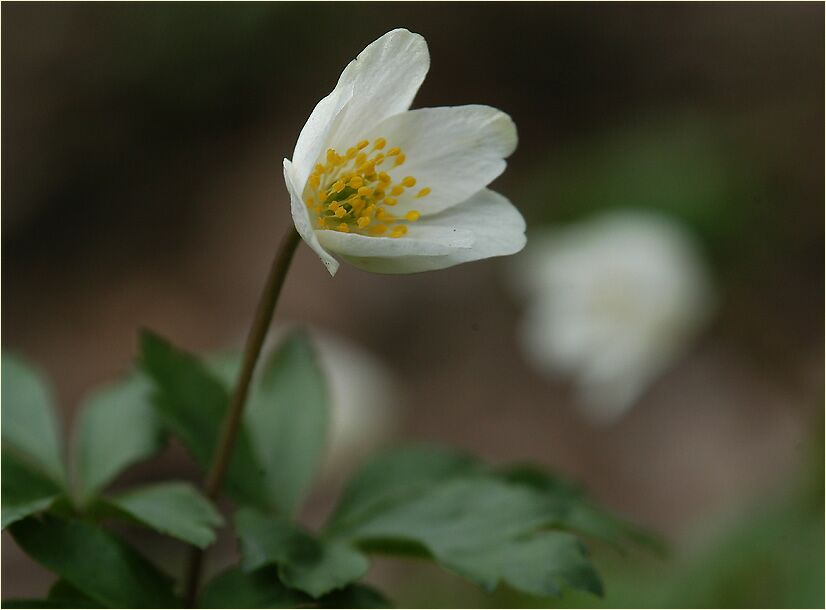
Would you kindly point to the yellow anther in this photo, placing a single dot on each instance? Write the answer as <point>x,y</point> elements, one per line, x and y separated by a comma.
<point>378,159</point>
<point>319,168</point>
<point>356,181</point>
<point>338,186</point>
<point>379,144</point>
<point>409,181</point>
<point>393,151</point>
<point>351,152</point>
<point>315,180</point>
<point>399,160</point>
<point>360,158</point>
<point>378,194</point>
<point>412,216</point>
<point>398,231</point>
<point>363,222</point>
<point>424,192</point>
<point>397,190</point>
<point>367,169</point>
<point>365,191</point>
<point>334,205</point>
<point>343,228</point>
<point>377,229</point>
<point>340,213</point>
<point>390,201</point>
<point>362,144</point>
<point>384,177</point>
<point>369,210</point>
<point>331,155</point>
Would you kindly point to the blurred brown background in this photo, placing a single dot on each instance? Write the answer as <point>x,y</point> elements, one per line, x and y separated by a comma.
<point>143,188</point>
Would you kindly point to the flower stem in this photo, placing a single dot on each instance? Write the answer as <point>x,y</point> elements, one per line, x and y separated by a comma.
<point>229,430</point>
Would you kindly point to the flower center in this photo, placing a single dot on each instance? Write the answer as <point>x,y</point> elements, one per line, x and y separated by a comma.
<point>351,192</point>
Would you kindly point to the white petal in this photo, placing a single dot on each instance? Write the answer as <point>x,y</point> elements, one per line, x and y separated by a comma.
<point>455,151</point>
<point>420,241</point>
<point>312,140</point>
<point>301,218</point>
<point>384,78</point>
<point>379,83</point>
<point>496,226</point>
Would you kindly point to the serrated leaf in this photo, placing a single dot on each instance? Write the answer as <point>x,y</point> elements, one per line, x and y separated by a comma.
<point>29,424</point>
<point>577,514</point>
<point>193,403</point>
<point>313,566</point>
<point>116,428</point>
<point>175,509</point>
<point>258,589</point>
<point>94,562</point>
<point>263,589</point>
<point>394,476</point>
<point>24,491</point>
<point>541,564</point>
<point>355,596</point>
<point>478,524</point>
<point>288,417</point>
<point>63,592</point>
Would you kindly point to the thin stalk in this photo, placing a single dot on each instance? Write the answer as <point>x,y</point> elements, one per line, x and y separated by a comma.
<point>229,430</point>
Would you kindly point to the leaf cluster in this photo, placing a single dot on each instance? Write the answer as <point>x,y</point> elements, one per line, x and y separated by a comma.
<point>517,526</point>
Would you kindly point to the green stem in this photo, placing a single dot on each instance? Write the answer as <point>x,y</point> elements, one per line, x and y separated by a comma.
<point>229,431</point>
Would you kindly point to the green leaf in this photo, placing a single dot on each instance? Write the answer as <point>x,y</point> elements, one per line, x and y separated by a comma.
<point>64,593</point>
<point>313,566</point>
<point>193,404</point>
<point>484,527</point>
<point>175,509</point>
<point>94,562</point>
<point>24,491</point>
<point>287,418</point>
<point>540,564</point>
<point>258,589</point>
<point>263,589</point>
<point>577,514</point>
<point>355,596</point>
<point>116,428</point>
<point>395,476</point>
<point>29,424</point>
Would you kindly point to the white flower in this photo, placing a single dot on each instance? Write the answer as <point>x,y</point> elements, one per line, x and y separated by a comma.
<point>393,190</point>
<point>614,301</point>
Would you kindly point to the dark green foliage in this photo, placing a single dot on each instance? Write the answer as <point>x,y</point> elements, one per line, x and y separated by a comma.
<point>94,562</point>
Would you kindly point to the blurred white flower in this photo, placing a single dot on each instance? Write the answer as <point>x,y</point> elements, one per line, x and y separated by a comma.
<point>612,303</point>
<point>393,190</point>
<point>366,401</point>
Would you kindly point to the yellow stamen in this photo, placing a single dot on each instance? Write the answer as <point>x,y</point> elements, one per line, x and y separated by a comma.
<point>380,142</point>
<point>412,216</point>
<point>390,201</point>
<point>423,193</point>
<point>399,160</point>
<point>343,227</point>
<point>397,190</point>
<point>409,181</point>
<point>398,231</point>
<point>363,222</point>
<point>362,144</point>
